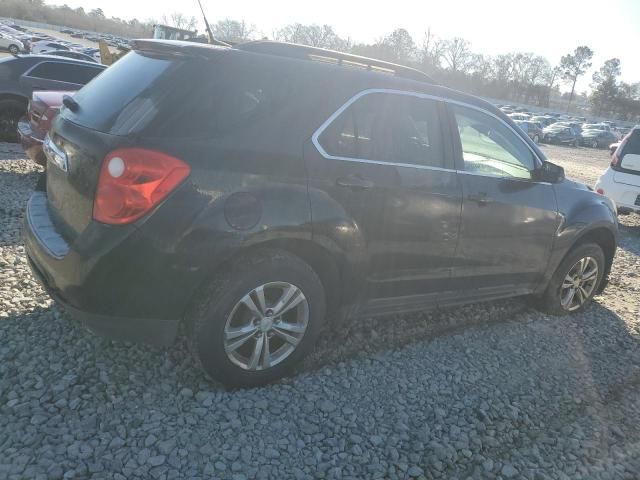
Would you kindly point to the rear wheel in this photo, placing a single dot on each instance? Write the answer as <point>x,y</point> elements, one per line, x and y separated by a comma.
<point>11,110</point>
<point>594,144</point>
<point>256,323</point>
<point>575,282</point>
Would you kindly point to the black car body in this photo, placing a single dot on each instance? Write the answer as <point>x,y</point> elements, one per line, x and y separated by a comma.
<point>21,75</point>
<point>560,134</point>
<point>284,158</point>
<point>598,138</point>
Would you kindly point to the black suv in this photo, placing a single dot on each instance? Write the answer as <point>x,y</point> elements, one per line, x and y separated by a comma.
<point>253,192</point>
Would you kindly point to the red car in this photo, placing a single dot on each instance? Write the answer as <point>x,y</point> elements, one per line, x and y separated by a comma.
<point>32,128</point>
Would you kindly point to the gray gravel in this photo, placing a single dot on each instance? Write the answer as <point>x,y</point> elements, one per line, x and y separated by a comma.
<point>485,391</point>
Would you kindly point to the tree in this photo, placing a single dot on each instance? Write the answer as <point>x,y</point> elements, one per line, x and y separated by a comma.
<point>180,20</point>
<point>400,45</point>
<point>430,54</point>
<point>312,35</point>
<point>605,86</point>
<point>233,30</point>
<point>96,12</point>
<point>457,54</point>
<point>574,65</point>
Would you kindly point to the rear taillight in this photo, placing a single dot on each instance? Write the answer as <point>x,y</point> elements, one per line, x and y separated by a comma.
<point>133,181</point>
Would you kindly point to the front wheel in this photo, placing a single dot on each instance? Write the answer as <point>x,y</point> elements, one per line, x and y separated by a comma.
<point>256,323</point>
<point>575,282</point>
<point>594,144</point>
<point>13,49</point>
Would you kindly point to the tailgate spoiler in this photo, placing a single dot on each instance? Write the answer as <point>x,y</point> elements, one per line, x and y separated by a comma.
<point>176,48</point>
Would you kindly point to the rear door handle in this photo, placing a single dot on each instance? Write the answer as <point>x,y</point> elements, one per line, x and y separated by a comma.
<point>480,198</point>
<point>354,182</point>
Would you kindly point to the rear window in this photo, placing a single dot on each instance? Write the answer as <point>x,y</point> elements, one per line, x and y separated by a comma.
<point>176,97</point>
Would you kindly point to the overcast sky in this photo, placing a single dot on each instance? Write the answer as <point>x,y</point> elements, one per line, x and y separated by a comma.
<point>549,28</point>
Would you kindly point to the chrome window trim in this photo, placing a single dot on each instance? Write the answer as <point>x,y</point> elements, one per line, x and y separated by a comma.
<point>357,96</point>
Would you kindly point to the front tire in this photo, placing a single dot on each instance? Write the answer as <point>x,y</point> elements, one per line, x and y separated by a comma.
<point>255,323</point>
<point>575,281</point>
<point>13,49</point>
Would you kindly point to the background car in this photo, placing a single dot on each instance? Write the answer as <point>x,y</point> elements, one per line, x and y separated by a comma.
<point>560,134</point>
<point>32,128</point>
<point>42,47</point>
<point>10,44</point>
<point>533,129</point>
<point>20,76</point>
<point>621,181</point>
<point>598,138</point>
<point>72,54</point>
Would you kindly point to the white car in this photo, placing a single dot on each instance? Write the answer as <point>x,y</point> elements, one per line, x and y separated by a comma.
<point>44,46</point>
<point>621,181</point>
<point>11,44</point>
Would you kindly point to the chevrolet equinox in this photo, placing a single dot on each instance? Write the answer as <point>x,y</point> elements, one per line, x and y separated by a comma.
<point>251,192</point>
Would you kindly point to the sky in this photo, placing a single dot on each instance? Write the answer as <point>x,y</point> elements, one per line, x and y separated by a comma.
<point>550,28</point>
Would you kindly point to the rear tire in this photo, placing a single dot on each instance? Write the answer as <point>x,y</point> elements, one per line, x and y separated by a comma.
<point>554,299</point>
<point>11,110</point>
<point>225,307</point>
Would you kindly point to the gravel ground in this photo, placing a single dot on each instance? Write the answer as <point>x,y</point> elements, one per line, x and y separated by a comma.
<point>513,394</point>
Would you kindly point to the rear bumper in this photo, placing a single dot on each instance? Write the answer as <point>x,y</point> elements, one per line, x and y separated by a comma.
<point>31,142</point>
<point>144,330</point>
<point>105,284</point>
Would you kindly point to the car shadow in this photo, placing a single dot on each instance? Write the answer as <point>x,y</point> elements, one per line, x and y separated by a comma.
<point>125,365</point>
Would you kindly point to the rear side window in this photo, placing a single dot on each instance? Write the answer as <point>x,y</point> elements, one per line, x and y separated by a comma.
<point>178,97</point>
<point>387,127</point>
<point>65,72</point>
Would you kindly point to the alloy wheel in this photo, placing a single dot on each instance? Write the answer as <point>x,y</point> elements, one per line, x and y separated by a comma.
<point>13,49</point>
<point>579,283</point>
<point>266,325</point>
<point>594,144</point>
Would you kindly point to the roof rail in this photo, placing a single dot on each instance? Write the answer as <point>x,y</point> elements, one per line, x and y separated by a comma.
<point>294,50</point>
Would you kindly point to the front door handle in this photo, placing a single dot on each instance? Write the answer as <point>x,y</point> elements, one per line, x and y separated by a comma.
<point>480,198</point>
<point>354,182</point>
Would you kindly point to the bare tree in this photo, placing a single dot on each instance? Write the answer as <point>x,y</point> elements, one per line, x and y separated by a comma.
<point>233,30</point>
<point>180,20</point>
<point>457,54</point>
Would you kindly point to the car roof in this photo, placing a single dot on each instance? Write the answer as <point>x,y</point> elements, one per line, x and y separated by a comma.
<point>368,73</point>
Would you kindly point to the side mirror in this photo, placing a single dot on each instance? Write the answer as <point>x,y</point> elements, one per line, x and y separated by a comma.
<point>549,172</point>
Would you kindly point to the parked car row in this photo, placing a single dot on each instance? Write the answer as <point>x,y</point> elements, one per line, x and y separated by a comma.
<point>565,130</point>
<point>23,40</point>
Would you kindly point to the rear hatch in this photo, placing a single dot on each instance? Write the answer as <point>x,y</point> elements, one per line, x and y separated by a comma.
<point>627,167</point>
<point>136,99</point>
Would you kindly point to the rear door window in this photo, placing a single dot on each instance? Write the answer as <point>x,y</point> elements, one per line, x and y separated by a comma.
<point>389,128</point>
